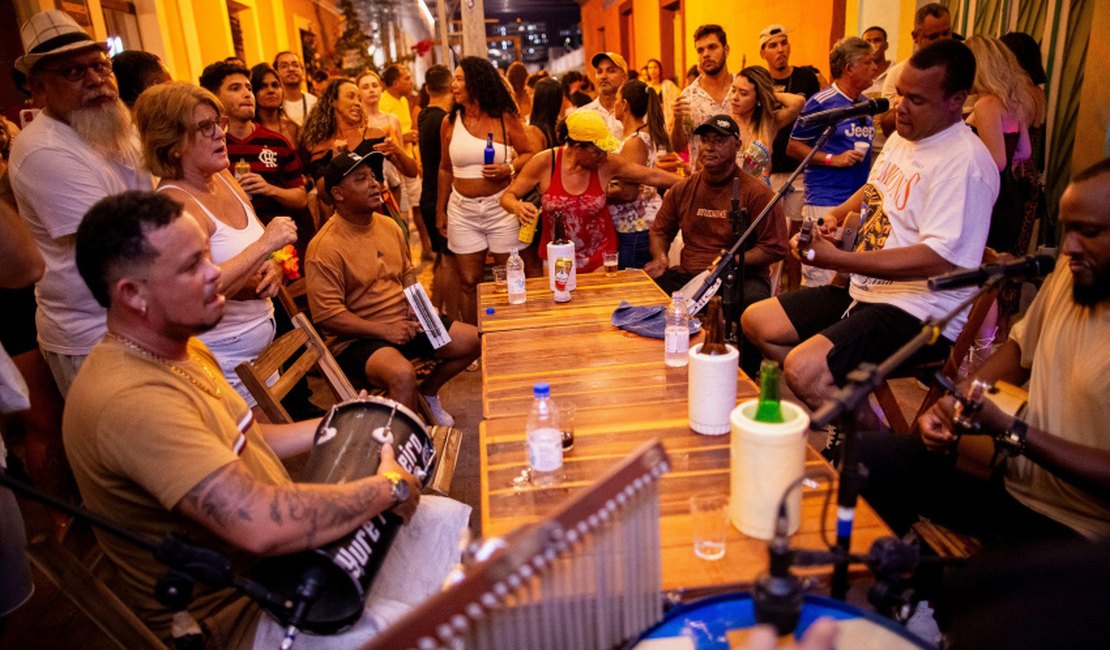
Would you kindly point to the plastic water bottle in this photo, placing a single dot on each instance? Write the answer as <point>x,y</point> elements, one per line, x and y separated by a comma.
<point>545,438</point>
<point>514,274</point>
<point>677,333</point>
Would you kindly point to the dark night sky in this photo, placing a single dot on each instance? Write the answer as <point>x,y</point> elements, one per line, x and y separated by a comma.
<point>558,14</point>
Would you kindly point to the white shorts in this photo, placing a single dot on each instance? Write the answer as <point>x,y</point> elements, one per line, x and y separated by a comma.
<point>813,276</point>
<point>413,187</point>
<point>794,198</point>
<point>474,225</point>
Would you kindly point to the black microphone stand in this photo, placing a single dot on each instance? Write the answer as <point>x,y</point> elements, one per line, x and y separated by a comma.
<point>187,563</point>
<point>733,256</point>
<point>845,407</point>
<point>732,282</point>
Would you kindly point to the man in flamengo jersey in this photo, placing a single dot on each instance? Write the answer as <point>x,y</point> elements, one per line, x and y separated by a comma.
<point>274,183</point>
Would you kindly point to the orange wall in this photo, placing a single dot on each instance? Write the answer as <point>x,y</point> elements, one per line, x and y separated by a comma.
<point>809,22</point>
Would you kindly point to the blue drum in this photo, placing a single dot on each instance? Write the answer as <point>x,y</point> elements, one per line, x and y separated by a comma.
<point>707,623</point>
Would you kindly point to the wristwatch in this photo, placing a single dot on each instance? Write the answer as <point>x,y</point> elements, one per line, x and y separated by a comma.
<point>399,488</point>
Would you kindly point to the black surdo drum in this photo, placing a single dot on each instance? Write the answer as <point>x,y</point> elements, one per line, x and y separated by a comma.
<point>347,447</point>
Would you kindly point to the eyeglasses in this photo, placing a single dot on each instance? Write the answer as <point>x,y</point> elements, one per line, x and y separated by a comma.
<point>77,71</point>
<point>207,128</point>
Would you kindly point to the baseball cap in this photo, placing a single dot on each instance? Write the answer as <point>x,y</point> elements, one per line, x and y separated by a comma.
<point>771,31</point>
<point>587,126</point>
<point>617,60</point>
<point>722,124</point>
<point>342,165</point>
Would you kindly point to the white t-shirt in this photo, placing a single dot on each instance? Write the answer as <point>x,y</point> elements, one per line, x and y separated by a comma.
<point>890,84</point>
<point>56,178</point>
<point>937,191</point>
<point>1065,346</point>
<point>611,121</point>
<point>299,109</point>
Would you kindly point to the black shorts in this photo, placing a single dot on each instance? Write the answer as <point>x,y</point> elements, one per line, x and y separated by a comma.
<point>352,360</point>
<point>870,332</point>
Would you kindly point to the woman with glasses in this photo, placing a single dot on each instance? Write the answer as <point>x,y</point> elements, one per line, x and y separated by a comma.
<point>269,101</point>
<point>572,179</point>
<point>182,132</point>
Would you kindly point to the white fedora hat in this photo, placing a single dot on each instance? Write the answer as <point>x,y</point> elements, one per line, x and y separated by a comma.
<point>49,33</point>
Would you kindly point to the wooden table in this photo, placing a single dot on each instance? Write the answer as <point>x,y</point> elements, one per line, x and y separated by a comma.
<point>699,465</point>
<point>594,300</point>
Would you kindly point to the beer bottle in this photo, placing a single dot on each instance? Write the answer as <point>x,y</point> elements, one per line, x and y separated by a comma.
<point>769,409</point>
<point>560,234</point>
<point>714,329</point>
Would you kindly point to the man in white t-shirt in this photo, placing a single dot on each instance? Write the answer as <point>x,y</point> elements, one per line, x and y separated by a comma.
<point>927,201</point>
<point>79,149</point>
<point>611,72</point>
<point>298,103</point>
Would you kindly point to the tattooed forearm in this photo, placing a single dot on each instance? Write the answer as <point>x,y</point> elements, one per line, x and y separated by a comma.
<point>279,519</point>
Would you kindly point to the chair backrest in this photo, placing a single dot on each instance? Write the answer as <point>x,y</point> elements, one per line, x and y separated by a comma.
<point>289,357</point>
<point>980,309</point>
<point>293,297</point>
<point>588,576</point>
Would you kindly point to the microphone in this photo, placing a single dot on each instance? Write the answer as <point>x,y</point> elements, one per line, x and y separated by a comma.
<point>834,115</point>
<point>778,594</point>
<point>1026,268</point>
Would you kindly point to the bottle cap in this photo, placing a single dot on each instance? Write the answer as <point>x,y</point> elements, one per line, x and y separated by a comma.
<point>541,389</point>
<point>489,310</point>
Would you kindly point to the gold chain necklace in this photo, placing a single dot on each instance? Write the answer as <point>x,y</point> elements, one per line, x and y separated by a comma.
<point>217,393</point>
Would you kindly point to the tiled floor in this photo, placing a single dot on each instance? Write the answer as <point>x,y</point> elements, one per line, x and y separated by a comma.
<point>50,621</point>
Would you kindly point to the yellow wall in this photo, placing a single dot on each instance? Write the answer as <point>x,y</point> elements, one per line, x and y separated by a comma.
<point>1094,100</point>
<point>809,23</point>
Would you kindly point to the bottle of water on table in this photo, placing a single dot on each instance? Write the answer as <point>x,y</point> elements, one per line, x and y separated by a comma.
<point>544,438</point>
<point>514,275</point>
<point>677,333</point>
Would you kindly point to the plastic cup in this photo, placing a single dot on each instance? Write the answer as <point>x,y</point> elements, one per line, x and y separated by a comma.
<point>862,148</point>
<point>566,425</point>
<point>500,279</point>
<point>709,523</point>
<point>611,261</point>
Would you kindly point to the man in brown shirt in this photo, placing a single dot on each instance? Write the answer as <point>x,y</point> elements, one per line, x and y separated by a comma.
<point>356,269</point>
<point>699,207</point>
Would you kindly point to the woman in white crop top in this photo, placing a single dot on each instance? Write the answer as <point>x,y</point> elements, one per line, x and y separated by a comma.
<point>468,210</point>
<point>182,131</point>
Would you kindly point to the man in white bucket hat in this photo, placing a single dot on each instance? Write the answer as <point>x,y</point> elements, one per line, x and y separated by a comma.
<point>79,149</point>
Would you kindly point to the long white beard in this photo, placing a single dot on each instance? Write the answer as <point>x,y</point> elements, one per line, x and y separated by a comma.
<point>107,128</point>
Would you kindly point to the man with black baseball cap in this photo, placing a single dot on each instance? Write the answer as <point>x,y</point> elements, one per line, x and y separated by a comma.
<point>356,269</point>
<point>699,206</point>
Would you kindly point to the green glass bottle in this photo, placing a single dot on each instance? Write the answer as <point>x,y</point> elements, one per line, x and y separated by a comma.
<point>770,408</point>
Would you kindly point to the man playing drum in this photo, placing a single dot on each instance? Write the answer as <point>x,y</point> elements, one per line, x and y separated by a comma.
<point>160,443</point>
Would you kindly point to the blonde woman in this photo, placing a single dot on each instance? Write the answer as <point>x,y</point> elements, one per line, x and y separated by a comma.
<point>1001,114</point>
<point>183,141</point>
<point>760,112</point>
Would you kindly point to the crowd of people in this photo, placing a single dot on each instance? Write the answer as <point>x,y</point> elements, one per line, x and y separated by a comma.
<point>152,214</point>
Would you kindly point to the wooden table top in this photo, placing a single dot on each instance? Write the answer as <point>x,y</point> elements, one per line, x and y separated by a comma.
<point>699,465</point>
<point>587,364</point>
<point>594,300</point>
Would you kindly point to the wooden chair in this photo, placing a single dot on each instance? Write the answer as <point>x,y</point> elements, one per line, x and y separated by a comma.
<point>885,396</point>
<point>293,297</point>
<point>588,576</point>
<point>302,349</point>
<point>91,595</point>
